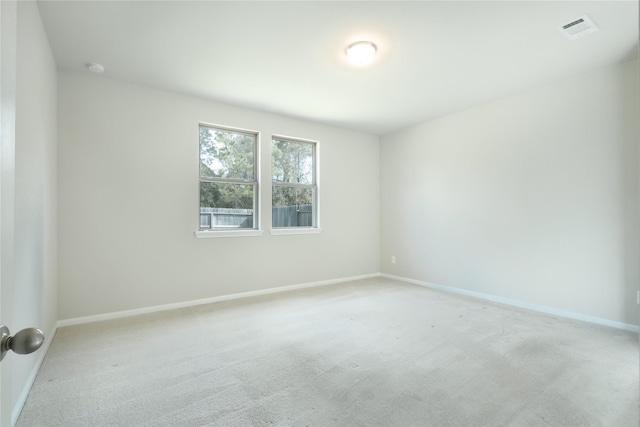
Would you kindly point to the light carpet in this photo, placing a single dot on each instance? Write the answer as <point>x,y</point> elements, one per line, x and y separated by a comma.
<point>374,352</point>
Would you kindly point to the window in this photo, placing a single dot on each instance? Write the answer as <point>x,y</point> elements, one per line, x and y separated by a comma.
<point>228,179</point>
<point>294,200</point>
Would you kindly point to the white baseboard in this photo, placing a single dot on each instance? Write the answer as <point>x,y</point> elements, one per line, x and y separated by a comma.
<point>521,304</point>
<point>42,352</point>
<point>153,309</point>
<point>480,295</point>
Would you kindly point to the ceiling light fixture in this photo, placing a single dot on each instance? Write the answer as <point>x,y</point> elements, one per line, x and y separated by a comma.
<point>95,67</point>
<point>361,53</point>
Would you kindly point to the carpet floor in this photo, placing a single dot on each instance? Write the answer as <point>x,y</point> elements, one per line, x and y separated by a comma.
<point>373,352</point>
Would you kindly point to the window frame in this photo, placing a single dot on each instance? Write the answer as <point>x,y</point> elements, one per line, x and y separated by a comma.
<point>315,186</point>
<point>223,231</point>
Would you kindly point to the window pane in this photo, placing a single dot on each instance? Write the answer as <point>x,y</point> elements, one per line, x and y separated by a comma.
<point>292,161</point>
<point>205,220</point>
<point>226,154</point>
<point>230,205</point>
<point>292,207</point>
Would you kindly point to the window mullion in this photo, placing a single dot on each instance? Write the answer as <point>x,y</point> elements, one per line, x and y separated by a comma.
<point>292,184</point>
<point>228,180</point>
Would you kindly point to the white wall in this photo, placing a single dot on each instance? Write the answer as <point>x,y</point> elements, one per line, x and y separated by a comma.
<point>128,202</point>
<point>35,256</point>
<point>533,198</point>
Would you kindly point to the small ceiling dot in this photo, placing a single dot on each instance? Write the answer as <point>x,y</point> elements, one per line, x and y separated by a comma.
<point>95,67</point>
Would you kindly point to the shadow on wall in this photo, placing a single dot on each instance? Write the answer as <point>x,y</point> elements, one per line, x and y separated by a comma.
<point>629,114</point>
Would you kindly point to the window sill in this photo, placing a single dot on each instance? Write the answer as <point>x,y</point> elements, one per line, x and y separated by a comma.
<point>227,233</point>
<point>295,230</point>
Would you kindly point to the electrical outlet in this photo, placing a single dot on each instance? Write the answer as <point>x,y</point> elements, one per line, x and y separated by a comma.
<point>393,259</point>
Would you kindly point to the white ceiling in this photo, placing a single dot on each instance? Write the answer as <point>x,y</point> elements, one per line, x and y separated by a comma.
<point>434,57</point>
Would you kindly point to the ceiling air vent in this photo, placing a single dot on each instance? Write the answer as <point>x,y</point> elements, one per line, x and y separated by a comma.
<point>578,28</point>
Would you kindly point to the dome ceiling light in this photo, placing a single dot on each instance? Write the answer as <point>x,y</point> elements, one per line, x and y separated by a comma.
<point>361,53</point>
